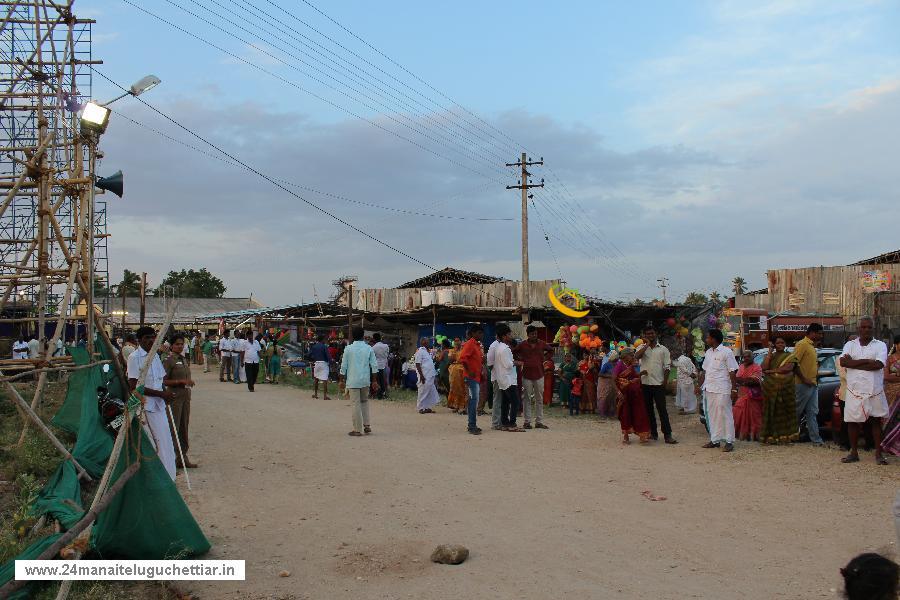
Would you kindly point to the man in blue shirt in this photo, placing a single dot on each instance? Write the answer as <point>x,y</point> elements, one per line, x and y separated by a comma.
<point>318,355</point>
<point>358,371</point>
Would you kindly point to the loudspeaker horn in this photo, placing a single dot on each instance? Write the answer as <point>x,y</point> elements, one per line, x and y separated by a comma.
<point>114,183</point>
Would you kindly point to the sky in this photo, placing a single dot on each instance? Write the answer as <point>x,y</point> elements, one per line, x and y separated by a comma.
<point>695,141</point>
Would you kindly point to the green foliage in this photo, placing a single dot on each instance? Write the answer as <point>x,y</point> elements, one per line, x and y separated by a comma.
<point>739,286</point>
<point>192,284</point>
<point>17,520</point>
<point>696,299</point>
<point>130,285</point>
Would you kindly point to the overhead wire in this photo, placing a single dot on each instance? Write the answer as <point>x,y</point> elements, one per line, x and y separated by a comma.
<point>276,183</point>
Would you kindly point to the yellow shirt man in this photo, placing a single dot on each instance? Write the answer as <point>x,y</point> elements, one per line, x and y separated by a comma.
<point>805,357</point>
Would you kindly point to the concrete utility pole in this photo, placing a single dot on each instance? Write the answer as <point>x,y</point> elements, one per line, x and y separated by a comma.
<point>143,297</point>
<point>663,284</point>
<point>524,163</point>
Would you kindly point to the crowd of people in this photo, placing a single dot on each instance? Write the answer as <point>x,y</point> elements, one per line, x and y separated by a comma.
<point>739,398</point>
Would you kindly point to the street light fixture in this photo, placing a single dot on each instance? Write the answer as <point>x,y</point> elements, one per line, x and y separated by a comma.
<point>95,116</point>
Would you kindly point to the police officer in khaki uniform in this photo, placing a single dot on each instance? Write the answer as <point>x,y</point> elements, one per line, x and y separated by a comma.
<point>178,381</point>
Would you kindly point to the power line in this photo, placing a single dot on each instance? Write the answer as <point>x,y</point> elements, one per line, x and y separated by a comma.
<point>310,92</point>
<point>310,189</point>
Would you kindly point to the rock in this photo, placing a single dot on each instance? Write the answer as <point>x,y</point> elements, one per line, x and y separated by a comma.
<point>284,574</point>
<point>450,554</point>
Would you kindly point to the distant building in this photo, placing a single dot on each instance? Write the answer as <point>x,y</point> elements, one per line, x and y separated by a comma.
<point>867,287</point>
<point>188,312</point>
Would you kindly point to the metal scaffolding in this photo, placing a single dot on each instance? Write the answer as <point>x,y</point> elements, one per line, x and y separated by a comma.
<point>51,230</point>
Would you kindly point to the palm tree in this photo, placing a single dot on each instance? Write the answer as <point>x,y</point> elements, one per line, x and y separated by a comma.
<point>739,286</point>
<point>715,298</point>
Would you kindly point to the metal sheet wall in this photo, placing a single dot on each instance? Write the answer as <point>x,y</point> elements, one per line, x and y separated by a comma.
<point>503,294</point>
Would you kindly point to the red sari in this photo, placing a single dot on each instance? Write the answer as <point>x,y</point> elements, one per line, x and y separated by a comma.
<point>630,406</point>
<point>549,371</point>
<point>588,368</point>
<point>748,410</point>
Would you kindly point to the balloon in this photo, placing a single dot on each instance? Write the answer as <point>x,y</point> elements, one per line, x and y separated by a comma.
<point>670,321</point>
<point>573,328</point>
<point>638,342</point>
<point>595,328</point>
<point>726,327</point>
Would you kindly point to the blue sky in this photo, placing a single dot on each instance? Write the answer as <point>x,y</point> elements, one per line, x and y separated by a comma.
<point>672,125</point>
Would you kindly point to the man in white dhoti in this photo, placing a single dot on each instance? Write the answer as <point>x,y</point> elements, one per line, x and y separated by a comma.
<point>718,380</point>
<point>156,420</point>
<point>428,394</point>
<point>864,400</point>
<point>686,381</point>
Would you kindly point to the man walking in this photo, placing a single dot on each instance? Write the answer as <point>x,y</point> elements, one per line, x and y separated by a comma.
<point>655,364</point>
<point>496,394</point>
<point>806,368</point>
<point>472,359</point>
<point>250,351</point>
<point>865,400</point>
<point>531,353</point>
<point>382,351</point>
<point>427,391</point>
<point>225,356</point>
<point>207,349</point>
<point>358,370</point>
<point>505,373</point>
<point>156,421</point>
<point>237,347</point>
<point>718,379</point>
<point>318,354</point>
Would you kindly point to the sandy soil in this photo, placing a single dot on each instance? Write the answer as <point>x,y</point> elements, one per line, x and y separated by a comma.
<point>546,514</point>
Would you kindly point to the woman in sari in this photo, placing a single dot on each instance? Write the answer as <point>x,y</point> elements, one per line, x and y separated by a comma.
<point>890,441</point>
<point>549,381</point>
<point>779,425</point>
<point>458,396</point>
<point>588,368</point>
<point>630,405</point>
<point>748,410</point>
<point>442,361</point>
<point>567,372</point>
<point>606,386</point>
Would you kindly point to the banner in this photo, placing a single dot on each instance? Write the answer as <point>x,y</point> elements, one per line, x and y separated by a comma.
<point>875,281</point>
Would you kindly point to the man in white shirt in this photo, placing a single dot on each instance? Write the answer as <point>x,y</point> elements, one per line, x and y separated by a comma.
<point>381,351</point>
<point>655,363</point>
<point>156,422</point>
<point>496,394</point>
<point>225,357</point>
<point>686,381</point>
<point>718,379</point>
<point>864,400</point>
<point>427,392</point>
<point>237,344</point>
<point>34,348</point>
<point>20,349</point>
<point>250,351</point>
<point>505,373</point>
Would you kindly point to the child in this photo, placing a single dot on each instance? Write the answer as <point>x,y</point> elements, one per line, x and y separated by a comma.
<point>567,371</point>
<point>575,400</point>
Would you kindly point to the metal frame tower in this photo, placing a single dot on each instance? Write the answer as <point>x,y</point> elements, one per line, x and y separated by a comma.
<point>50,230</point>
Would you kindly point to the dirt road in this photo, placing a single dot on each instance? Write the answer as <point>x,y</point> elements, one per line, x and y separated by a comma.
<point>546,514</point>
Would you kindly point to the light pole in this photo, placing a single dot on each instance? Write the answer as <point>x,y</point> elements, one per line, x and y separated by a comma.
<point>94,120</point>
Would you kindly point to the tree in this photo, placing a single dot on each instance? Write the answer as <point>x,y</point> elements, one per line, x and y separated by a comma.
<point>715,297</point>
<point>130,284</point>
<point>739,286</point>
<point>192,284</point>
<point>696,299</point>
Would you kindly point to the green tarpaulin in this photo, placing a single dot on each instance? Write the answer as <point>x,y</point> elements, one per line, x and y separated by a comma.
<point>148,519</point>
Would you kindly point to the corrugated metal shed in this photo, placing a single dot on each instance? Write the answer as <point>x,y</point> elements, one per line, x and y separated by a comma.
<point>835,290</point>
<point>189,309</point>
<point>503,294</point>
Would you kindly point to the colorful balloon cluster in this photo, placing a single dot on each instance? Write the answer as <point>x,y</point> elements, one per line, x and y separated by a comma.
<point>585,336</point>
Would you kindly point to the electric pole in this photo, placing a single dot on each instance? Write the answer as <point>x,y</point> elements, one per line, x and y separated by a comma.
<point>663,284</point>
<point>524,185</point>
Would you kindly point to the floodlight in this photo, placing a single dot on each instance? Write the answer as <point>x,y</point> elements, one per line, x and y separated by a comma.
<point>144,84</point>
<point>94,117</point>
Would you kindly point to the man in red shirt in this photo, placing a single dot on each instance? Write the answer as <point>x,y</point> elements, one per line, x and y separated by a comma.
<point>472,359</point>
<point>533,352</point>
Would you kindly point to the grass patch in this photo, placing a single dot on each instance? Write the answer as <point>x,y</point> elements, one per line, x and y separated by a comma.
<point>305,382</point>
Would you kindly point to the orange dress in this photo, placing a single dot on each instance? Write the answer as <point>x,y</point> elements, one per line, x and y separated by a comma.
<point>458,398</point>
